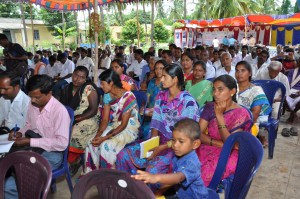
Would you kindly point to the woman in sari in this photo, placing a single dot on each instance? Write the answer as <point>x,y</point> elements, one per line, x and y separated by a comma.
<point>199,87</point>
<point>154,87</point>
<point>171,105</point>
<point>127,82</point>
<point>81,96</point>
<point>119,125</point>
<point>252,97</point>
<point>187,65</point>
<point>220,118</point>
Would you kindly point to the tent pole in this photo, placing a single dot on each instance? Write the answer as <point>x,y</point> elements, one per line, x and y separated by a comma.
<point>152,21</point>
<point>90,25</point>
<point>96,45</point>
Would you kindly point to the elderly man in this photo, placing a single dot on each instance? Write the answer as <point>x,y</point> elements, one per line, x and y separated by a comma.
<point>227,68</point>
<point>46,128</point>
<point>235,57</point>
<point>13,103</point>
<point>272,72</point>
<point>210,69</point>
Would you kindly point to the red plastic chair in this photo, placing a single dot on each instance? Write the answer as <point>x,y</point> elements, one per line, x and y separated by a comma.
<point>32,172</point>
<point>112,184</point>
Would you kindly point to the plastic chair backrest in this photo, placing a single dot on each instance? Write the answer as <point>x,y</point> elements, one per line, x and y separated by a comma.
<point>71,114</point>
<point>64,168</point>
<point>112,184</point>
<point>33,174</point>
<point>270,87</point>
<point>250,155</point>
<point>141,98</point>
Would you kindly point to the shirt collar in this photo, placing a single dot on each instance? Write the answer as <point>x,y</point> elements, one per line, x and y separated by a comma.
<point>48,106</point>
<point>186,156</point>
<point>18,96</point>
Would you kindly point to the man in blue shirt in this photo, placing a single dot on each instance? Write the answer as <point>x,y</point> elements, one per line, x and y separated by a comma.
<point>186,177</point>
<point>225,41</point>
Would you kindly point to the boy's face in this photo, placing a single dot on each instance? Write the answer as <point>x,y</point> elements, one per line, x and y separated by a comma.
<point>182,144</point>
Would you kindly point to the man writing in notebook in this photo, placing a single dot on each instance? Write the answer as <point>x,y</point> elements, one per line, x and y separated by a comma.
<point>49,120</point>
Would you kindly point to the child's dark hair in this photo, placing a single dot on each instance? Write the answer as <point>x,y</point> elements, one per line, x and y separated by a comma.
<point>189,127</point>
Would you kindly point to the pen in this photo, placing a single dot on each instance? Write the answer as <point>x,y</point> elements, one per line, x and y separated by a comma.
<point>15,129</point>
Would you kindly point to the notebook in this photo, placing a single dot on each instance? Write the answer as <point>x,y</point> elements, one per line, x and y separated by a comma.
<point>147,145</point>
<point>5,145</point>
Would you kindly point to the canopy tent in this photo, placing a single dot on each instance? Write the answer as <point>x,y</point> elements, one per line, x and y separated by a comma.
<point>69,5</point>
<point>246,20</point>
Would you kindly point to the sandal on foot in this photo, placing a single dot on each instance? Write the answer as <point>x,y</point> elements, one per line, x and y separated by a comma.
<point>285,132</point>
<point>293,131</point>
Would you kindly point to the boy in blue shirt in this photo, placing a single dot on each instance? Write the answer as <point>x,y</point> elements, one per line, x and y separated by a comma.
<point>186,176</point>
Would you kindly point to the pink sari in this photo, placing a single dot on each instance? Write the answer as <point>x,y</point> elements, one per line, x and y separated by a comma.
<point>209,155</point>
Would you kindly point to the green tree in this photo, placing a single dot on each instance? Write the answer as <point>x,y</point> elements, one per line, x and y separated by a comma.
<point>144,18</point>
<point>9,10</point>
<point>296,8</point>
<point>286,7</point>
<point>177,10</point>
<point>54,18</point>
<point>130,30</point>
<point>161,34</point>
<point>12,10</point>
<point>104,33</point>
<point>160,11</point>
<point>68,33</point>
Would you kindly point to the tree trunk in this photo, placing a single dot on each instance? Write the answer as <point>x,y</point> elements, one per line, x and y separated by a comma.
<point>63,29</point>
<point>138,24</point>
<point>32,27</point>
<point>24,25</point>
<point>77,30</point>
<point>144,13</point>
<point>119,6</point>
<point>184,9</point>
<point>102,26</point>
<point>152,21</point>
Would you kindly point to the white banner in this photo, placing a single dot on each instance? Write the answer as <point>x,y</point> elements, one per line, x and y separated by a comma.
<point>177,39</point>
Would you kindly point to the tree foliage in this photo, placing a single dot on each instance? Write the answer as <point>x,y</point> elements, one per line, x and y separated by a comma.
<point>13,10</point>
<point>286,7</point>
<point>130,30</point>
<point>161,34</point>
<point>68,32</point>
<point>54,18</point>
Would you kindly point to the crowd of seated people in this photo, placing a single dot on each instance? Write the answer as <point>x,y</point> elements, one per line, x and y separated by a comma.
<point>207,85</point>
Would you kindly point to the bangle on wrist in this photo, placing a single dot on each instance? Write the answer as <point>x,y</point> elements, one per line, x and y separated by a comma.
<point>222,127</point>
<point>210,141</point>
<point>169,143</point>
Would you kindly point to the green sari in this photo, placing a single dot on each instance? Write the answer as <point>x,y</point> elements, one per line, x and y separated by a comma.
<point>202,91</point>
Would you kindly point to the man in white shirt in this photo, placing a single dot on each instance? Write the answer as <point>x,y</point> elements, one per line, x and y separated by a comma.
<point>244,41</point>
<point>131,56</point>
<point>216,43</point>
<point>272,72</point>
<point>227,68</point>
<point>251,58</point>
<point>104,62</point>
<point>261,63</point>
<point>235,57</point>
<point>65,72</point>
<point>210,69</point>
<point>86,61</point>
<point>52,67</point>
<point>135,69</point>
<point>217,64</point>
<point>13,103</point>
<point>252,41</point>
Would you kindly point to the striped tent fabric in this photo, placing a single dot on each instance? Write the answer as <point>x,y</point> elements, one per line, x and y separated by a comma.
<point>69,5</point>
